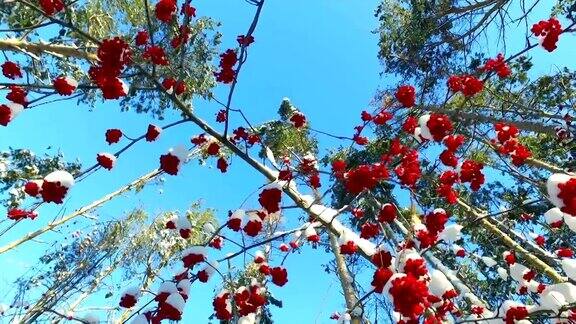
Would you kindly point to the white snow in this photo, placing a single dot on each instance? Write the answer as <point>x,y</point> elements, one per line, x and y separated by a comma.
<point>517,271</point>
<point>183,222</point>
<point>418,134</point>
<point>167,287</point>
<point>570,221</point>
<point>110,156</point>
<point>65,178</point>
<point>132,291</point>
<point>296,235</point>
<point>488,261</point>
<point>439,284</point>
<point>195,250</point>
<point>177,301</point>
<point>248,319</point>
<point>553,215</point>
<point>553,190</point>
<point>184,286</point>
<point>552,300</point>
<point>71,81</point>
<point>456,248</point>
<point>125,88</point>
<point>388,285</point>
<point>566,289</point>
<point>451,233</point>
<point>344,319</point>
<point>404,256</point>
<point>510,304</point>
<point>15,109</point>
<point>259,255</point>
<point>310,231</point>
<point>253,217</point>
<point>506,254</point>
<point>180,152</point>
<point>271,158</point>
<point>502,273</point>
<point>240,213</point>
<point>209,228</point>
<point>569,267</point>
<point>327,215</point>
<point>424,130</point>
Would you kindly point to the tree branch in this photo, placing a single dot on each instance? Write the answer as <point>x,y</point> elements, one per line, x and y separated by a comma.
<point>58,50</point>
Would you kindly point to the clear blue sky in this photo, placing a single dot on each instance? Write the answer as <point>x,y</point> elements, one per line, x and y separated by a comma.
<point>321,54</point>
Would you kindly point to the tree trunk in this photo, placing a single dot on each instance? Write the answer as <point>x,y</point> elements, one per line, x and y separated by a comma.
<point>345,281</point>
<point>532,259</point>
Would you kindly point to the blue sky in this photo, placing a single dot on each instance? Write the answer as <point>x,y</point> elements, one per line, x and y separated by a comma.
<point>320,54</point>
